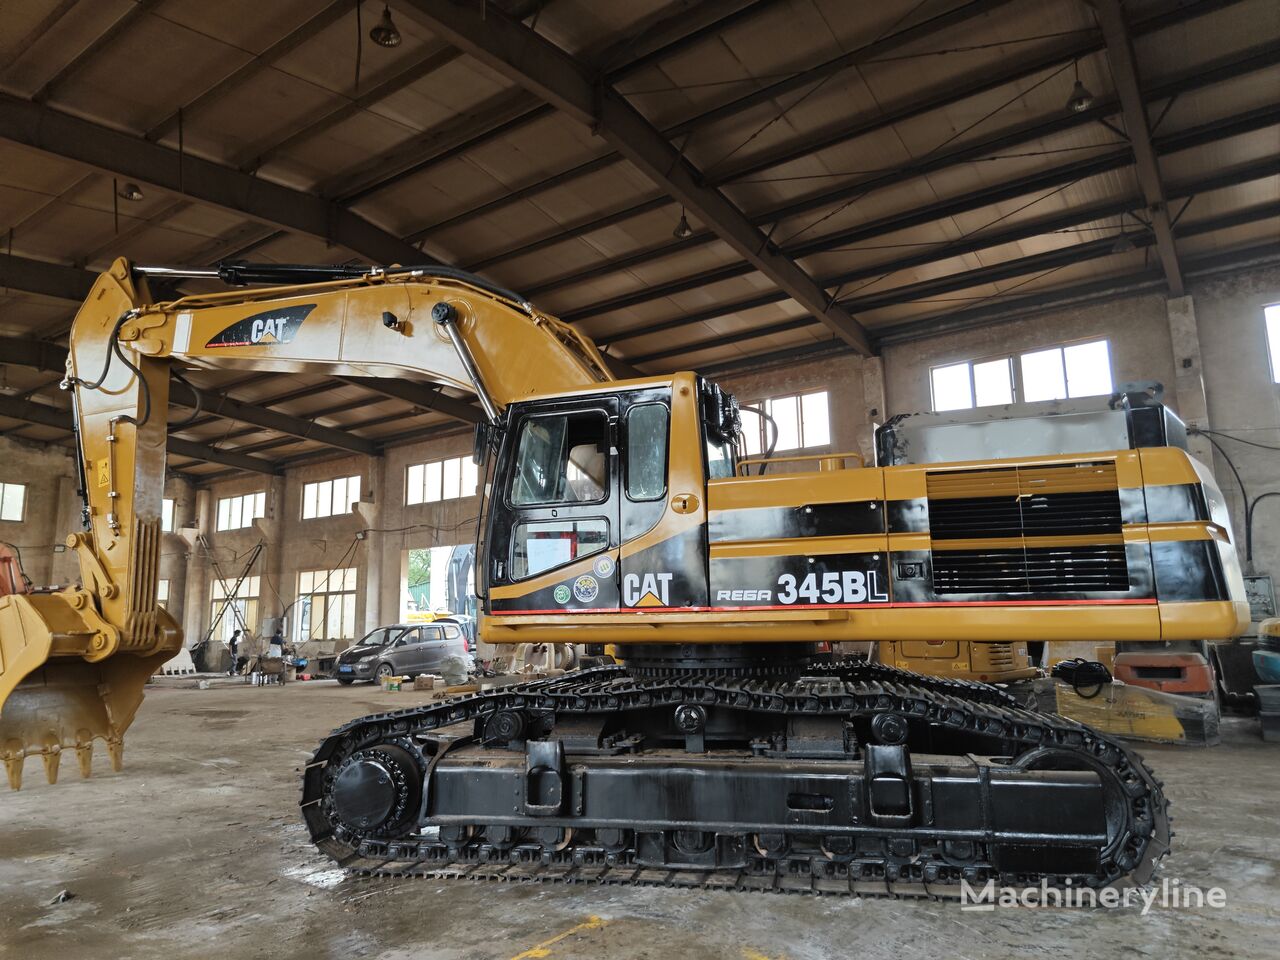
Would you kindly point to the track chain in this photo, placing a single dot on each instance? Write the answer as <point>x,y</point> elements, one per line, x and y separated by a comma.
<point>844,689</point>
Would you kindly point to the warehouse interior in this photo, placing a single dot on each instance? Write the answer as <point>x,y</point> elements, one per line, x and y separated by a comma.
<point>962,211</point>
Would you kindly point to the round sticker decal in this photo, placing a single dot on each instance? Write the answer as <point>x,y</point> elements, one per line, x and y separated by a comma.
<point>604,567</point>
<point>561,594</point>
<point>585,588</point>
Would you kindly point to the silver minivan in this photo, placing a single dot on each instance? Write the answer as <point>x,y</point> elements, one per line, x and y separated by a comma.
<point>402,650</point>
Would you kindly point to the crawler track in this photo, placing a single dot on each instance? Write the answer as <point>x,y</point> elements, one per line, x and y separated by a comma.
<point>1138,838</point>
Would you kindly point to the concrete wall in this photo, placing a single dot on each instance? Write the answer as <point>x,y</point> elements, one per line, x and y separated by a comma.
<point>1232,364</point>
<point>51,512</point>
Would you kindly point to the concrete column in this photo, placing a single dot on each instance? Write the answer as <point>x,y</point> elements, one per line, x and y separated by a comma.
<point>271,565</point>
<point>873,396</point>
<point>195,588</point>
<point>1188,384</point>
<point>370,512</point>
<point>65,567</point>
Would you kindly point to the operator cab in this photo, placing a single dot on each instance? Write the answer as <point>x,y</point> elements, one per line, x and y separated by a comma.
<point>594,504</point>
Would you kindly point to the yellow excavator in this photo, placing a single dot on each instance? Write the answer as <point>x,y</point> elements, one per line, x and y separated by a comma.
<point>724,748</point>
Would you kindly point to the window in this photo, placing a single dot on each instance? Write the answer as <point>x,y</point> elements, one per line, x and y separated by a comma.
<point>166,515</point>
<point>162,591</point>
<point>329,498</point>
<point>440,480</point>
<point>1271,315</point>
<point>1078,370</point>
<point>236,513</point>
<point>326,605</point>
<point>223,615</point>
<point>562,459</point>
<point>961,386</point>
<point>542,544</point>
<point>802,421</point>
<point>647,451</point>
<point>13,500</point>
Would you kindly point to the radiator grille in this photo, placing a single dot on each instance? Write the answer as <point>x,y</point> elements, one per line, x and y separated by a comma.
<point>1035,570</point>
<point>1024,502</point>
<point>1016,503</point>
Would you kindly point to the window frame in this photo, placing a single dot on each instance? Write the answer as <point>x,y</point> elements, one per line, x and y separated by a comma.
<point>316,485</point>
<point>765,404</point>
<point>22,509</point>
<point>1273,345</point>
<point>327,577</point>
<point>1017,387</point>
<point>607,486</point>
<point>461,461</point>
<point>253,515</point>
<point>666,452</point>
<point>530,521</point>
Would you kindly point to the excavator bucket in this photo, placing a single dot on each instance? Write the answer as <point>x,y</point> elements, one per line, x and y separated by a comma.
<point>53,700</point>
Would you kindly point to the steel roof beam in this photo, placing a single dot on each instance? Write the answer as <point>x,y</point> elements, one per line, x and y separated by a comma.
<point>1257,58</point>
<point>883,45</point>
<point>289,42</point>
<point>1124,73</point>
<point>124,22</point>
<point>546,70</point>
<point>46,416</point>
<point>508,115</point>
<point>965,280</point>
<point>47,356</point>
<point>126,155</point>
<point>1046,179</point>
<point>426,396</point>
<point>46,279</point>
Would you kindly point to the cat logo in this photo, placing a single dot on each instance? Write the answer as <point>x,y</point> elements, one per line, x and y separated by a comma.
<point>647,590</point>
<point>276,326</point>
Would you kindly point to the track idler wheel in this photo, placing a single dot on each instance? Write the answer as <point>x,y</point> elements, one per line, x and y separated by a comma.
<point>376,791</point>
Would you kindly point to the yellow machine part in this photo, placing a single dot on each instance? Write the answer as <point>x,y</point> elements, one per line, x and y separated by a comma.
<point>54,698</point>
<point>961,660</point>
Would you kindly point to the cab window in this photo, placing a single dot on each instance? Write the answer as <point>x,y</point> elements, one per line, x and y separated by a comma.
<point>647,426</point>
<point>539,545</point>
<point>719,459</point>
<point>562,459</point>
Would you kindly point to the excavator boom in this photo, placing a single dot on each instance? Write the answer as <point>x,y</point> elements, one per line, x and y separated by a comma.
<point>73,663</point>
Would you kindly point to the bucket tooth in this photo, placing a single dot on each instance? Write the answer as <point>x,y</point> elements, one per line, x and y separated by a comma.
<point>84,754</point>
<point>115,750</point>
<point>13,768</point>
<point>51,756</point>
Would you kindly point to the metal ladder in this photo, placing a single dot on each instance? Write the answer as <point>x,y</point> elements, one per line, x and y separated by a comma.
<point>228,596</point>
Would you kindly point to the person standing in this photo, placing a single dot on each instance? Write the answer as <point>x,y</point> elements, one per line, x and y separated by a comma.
<point>234,644</point>
<point>275,647</point>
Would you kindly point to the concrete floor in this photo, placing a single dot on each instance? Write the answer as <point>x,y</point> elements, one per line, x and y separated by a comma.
<point>196,850</point>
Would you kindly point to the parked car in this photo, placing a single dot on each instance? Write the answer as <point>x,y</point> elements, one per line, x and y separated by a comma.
<point>400,650</point>
<point>465,623</point>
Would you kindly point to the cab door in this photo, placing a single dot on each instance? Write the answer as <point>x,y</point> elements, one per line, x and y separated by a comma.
<point>554,518</point>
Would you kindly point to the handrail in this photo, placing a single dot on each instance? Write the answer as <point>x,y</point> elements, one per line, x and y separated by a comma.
<point>803,457</point>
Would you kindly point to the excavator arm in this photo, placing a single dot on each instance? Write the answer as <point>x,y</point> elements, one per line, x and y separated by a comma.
<point>73,663</point>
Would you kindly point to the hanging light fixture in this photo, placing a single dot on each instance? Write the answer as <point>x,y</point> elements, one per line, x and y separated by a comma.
<point>1122,245</point>
<point>130,191</point>
<point>384,32</point>
<point>682,229</point>
<point>1081,98</point>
